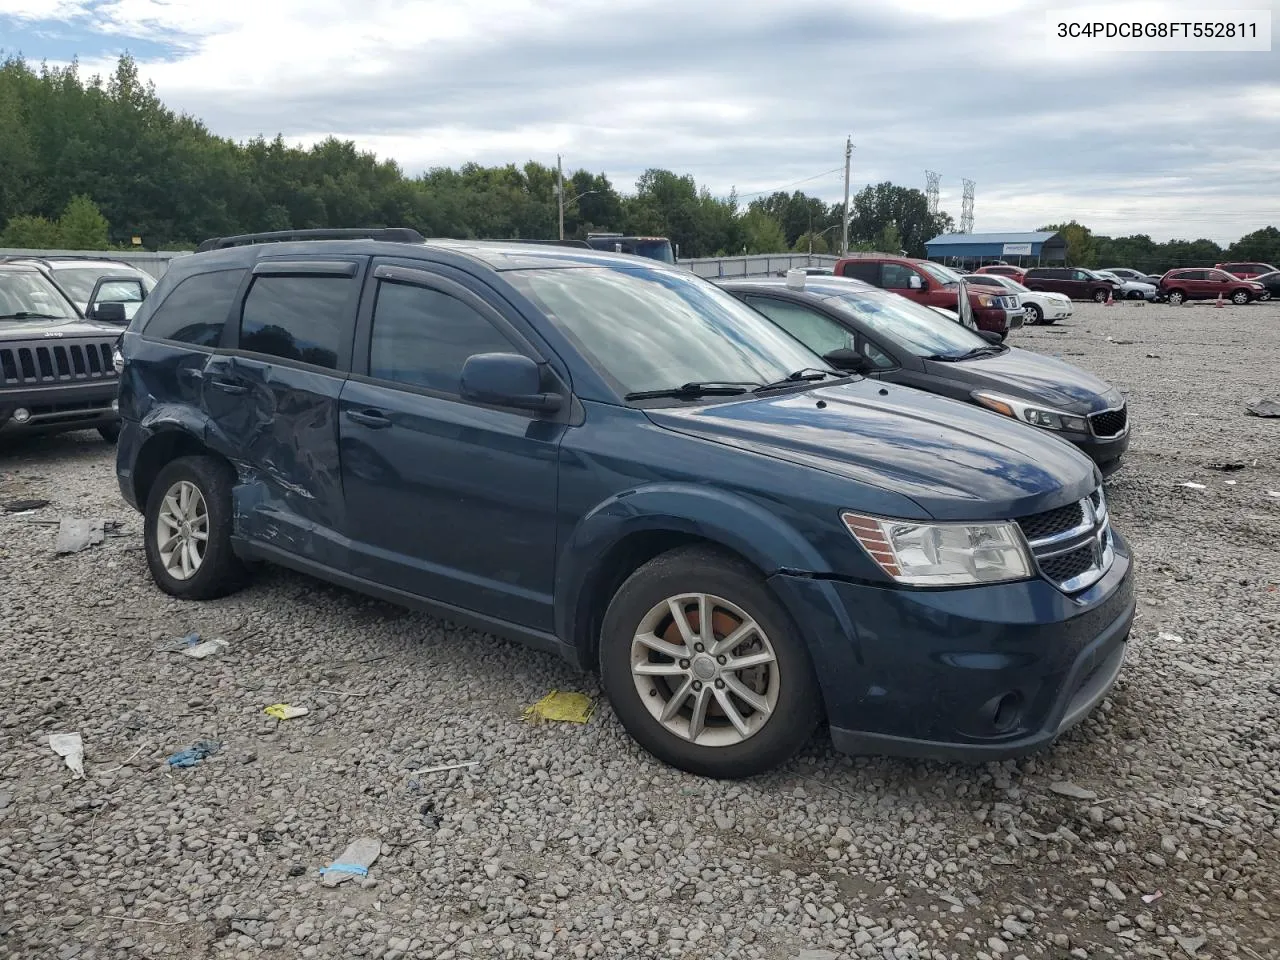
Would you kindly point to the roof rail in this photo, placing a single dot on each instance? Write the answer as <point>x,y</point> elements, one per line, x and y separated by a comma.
<point>552,243</point>
<point>388,234</point>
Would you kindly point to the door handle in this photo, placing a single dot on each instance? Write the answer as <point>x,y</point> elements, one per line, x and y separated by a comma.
<point>228,386</point>
<point>373,419</point>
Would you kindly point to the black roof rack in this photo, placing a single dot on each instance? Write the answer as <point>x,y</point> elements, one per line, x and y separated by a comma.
<point>388,234</point>
<point>552,243</point>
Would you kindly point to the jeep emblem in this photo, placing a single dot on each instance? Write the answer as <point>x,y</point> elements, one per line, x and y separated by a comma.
<point>53,333</point>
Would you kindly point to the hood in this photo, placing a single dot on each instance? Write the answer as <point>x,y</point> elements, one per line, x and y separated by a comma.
<point>53,330</point>
<point>957,461</point>
<point>1031,376</point>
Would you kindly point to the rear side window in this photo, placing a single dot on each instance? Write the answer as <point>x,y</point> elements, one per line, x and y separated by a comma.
<point>422,337</point>
<point>819,333</point>
<point>897,277</point>
<point>305,318</point>
<point>868,272</point>
<point>196,310</point>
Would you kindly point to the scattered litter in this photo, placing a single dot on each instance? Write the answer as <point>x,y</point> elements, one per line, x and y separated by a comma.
<point>70,747</point>
<point>193,755</point>
<point>285,711</point>
<point>1153,356</point>
<point>1121,342</point>
<point>75,535</point>
<point>207,649</point>
<point>569,707</point>
<point>1152,897</point>
<point>1064,788</point>
<point>1264,408</point>
<point>178,645</point>
<point>1169,637</point>
<point>354,861</point>
<point>1230,483</point>
<point>24,506</point>
<point>133,756</point>
<point>1192,486</point>
<point>1274,493</point>
<point>1191,944</point>
<point>443,767</point>
<point>1227,466</point>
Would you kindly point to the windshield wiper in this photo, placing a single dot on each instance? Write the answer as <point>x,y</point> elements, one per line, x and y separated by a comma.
<point>22,315</point>
<point>796,376</point>
<point>986,351</point>
<point>694,389</point>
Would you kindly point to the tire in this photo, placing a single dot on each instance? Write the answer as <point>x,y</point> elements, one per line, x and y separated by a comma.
<point>110,432</point>
<point>1240,297</point>
<point>1035,316</point>
<point>218,571</point>
<point>1099,296</point>
<point>1176,298</point>
<point>784,685</point>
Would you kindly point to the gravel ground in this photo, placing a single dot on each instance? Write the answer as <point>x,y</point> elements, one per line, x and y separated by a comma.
<point>566,840</point>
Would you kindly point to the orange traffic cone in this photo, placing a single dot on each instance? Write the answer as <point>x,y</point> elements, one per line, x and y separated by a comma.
<point>1110,302</point>
<point>1219,303</point>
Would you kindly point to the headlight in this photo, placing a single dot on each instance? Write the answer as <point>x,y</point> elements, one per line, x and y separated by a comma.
<point>985,300</point>
<point>942,554</point>
<point>1037,416</point>
<point>117,359</point>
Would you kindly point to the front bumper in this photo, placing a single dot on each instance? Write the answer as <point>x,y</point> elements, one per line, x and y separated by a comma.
<point>995,319</point>
<point>1104,451</point>
<point>977,673</point>
<point>59,408</point>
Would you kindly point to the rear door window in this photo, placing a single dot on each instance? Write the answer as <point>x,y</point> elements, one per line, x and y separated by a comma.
<point>897,276</point>
<point>196,310</point>
<point>816,331</point>
<point>308,318</point>
<point>867,271</point>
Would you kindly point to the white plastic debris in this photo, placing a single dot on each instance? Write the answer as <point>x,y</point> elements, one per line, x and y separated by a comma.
<point>1169,637</point>
<point>70,747</point>
<point>353,861</point>
<point>75,535</point>
<point>1192,486</point>
<point>206,649</point>
<point>1064,788</point>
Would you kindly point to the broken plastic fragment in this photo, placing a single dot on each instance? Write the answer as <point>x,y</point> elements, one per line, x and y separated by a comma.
<point>285,711</point>
<point>1192,486</point>
<point>1152,897</point>
<point>70,747</point>
<point>206,649</point>
<point>354,861</point>
<point>567,707</point>
<point>193,755</point>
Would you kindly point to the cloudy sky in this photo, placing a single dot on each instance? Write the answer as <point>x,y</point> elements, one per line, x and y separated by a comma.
<point>752,95</point>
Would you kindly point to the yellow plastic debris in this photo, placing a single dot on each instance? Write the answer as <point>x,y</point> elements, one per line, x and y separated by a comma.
<point>568,707</point>
<point>285,711</point>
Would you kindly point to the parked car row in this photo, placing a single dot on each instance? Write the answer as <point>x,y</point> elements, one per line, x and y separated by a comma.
<point>752,508</point>
<point>1038,306</point>
<point>1238,282</point>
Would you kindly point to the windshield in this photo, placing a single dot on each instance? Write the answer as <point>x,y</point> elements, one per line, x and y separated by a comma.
<point>30,294</point>
<point>939,272</point>
<point>79,281</point>
<point>655,250</point>
<point>651,329</point>
<point>918,329</point>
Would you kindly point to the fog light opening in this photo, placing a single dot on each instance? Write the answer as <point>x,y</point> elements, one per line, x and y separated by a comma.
<point>1008,712</point>
<point>21,415</point>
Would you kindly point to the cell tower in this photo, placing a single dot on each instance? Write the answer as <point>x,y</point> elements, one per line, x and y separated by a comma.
<point>931,190</point>
<point>966,208</point>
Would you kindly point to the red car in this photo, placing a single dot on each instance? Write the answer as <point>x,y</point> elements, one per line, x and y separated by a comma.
<point>934,285</point>
<point>1004,270</point>
<point>1245,271</point>
<point>1207,284</point>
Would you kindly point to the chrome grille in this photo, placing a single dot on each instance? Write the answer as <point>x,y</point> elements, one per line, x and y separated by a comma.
<point>1109,423</point>
<point>39,364</point>
<point>1072,545</point>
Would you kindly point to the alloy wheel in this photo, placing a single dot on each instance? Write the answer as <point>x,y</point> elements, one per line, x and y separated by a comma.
<point>182,530</point>
<point>705,669</point>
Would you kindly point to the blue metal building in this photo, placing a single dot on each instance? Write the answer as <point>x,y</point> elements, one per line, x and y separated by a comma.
<point>975,249</point>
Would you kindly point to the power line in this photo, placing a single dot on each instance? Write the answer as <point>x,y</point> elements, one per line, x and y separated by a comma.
<point>816,176</point>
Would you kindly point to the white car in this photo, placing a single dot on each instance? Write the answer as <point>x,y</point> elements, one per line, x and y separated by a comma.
<point>1131,289</point>
<point>77,277</point>
<point>1039,306</point>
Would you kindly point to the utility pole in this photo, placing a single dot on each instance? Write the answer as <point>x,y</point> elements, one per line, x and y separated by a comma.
<point>560,193</point>
<point>844,233</point>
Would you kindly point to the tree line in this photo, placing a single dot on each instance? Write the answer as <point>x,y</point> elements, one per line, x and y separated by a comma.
<point>88,164</point>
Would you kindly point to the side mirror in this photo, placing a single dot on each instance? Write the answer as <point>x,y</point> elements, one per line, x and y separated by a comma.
<point>109,312</point>
<point>990,336</point>
<point>851,360</point>
<point>915,283</point>
<point>507,380</point>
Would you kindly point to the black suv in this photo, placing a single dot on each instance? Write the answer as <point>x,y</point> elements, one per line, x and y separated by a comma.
<point>608,457</point>
<point>56,368</point>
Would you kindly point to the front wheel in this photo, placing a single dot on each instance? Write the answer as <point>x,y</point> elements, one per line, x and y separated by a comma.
<point>1035,316</point>
<point>705,668</point>
<point>1240,297</point>
<point>1099,296</point>
<point>1177,298</point>
<point>187,529</point>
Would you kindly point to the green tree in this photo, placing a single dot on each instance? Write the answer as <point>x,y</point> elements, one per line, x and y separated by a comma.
<point>890,241</point>
<point>762,233</point>
<point>30,233</point>
<point>1081,247</point>
<point>1263,245</point>
<point>82,226</point>
<point>874,208</point>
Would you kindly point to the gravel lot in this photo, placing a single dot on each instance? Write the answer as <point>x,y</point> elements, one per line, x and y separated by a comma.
<point>566,840</point>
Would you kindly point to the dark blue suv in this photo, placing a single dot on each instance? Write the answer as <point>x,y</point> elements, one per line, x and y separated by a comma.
<point>609,458</point>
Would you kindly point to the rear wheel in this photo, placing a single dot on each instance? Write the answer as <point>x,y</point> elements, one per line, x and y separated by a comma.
<point>704,667</point>
<point>1035,315</point>
<point>1177,298</point>
<point>187,531</point>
